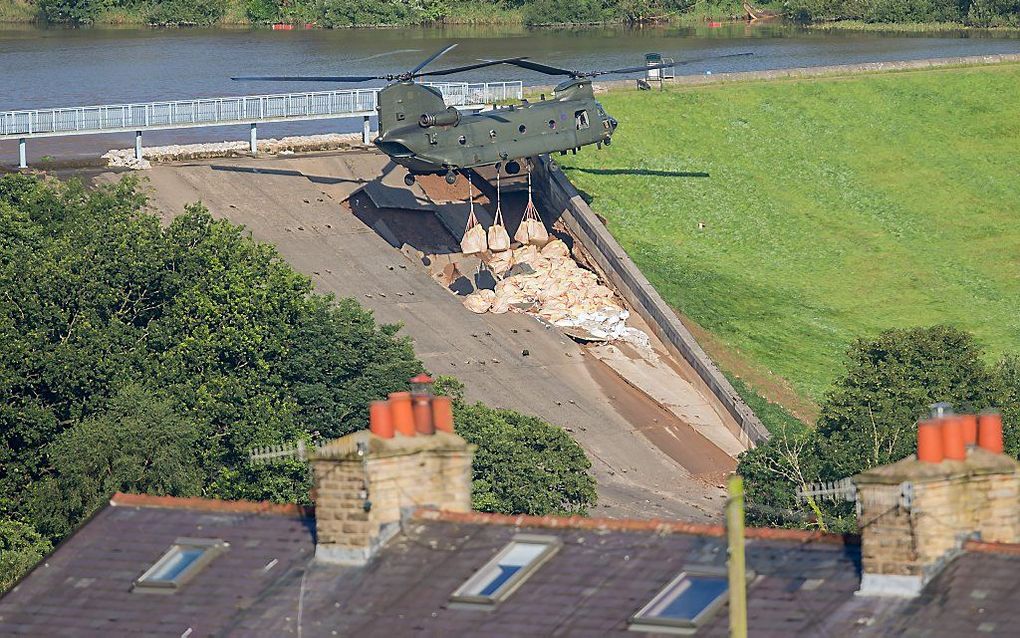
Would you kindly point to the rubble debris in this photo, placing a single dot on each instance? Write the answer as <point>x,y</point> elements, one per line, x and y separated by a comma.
<point>548,284</point>
<point>125,157</point>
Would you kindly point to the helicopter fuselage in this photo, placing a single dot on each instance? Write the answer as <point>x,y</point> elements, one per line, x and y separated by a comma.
<point>418,131</point>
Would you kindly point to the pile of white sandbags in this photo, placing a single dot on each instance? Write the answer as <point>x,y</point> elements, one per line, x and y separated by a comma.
<point>547,283</point>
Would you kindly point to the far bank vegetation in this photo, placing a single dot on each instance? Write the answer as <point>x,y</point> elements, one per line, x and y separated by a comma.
<point>859,14</point>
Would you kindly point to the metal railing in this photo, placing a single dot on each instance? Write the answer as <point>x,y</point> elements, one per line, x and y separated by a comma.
<point>85,120</point>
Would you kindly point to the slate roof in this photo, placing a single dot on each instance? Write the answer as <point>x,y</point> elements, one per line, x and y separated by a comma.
<point>267,584</point>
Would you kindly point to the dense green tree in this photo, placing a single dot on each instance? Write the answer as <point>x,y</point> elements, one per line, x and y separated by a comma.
<point>21,547</point>
<point>869,418</point>
<point>138,444</point>
<point>1008,373</point>
<point>75,12</point>
<point>98,296</point>
<point>193,12</point>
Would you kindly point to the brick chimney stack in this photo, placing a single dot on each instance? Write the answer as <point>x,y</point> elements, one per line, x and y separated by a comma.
<point>915,514</point>
<point>366,481</point>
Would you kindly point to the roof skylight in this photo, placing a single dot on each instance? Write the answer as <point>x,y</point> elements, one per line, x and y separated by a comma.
<point>498,578</point>
<point>685,603</point>
<point>179,564</point>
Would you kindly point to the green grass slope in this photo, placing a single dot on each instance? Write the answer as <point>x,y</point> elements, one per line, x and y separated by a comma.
<point>833,208</point>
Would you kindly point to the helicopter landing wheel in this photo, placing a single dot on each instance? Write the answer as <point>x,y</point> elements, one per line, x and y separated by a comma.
<point>451,177</point>
<point>409,179</point>
<point>513,167</point>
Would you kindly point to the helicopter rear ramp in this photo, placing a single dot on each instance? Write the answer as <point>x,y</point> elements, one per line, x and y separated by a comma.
<point>647,461</point>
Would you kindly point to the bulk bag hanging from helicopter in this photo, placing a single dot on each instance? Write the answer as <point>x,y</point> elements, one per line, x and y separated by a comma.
<point>474,240</point>
<point>499,239</point>
<point>532,230</point>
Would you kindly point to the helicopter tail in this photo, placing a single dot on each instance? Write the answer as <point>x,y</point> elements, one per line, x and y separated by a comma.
<point>404,104</point>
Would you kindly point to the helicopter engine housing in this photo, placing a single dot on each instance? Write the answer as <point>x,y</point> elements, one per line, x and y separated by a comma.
<point>449,117</point>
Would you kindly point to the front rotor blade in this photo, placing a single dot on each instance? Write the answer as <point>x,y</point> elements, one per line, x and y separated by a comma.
<point>634,69</point>
<point>433,58</point>
<point>541,68</point>
<point>714,57</point>
<point>310,78</point>
<point>468,67</point>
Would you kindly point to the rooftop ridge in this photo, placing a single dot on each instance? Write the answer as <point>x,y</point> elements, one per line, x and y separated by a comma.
<point>985,547</point>
<point>657,526</point>
<point>122,499</point>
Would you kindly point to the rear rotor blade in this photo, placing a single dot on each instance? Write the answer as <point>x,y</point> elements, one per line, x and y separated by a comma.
<point>542,68</point>
<point>633,69</point>
<point>714,57</point>
<point>433,58</point>
<point>310,78</point>
<point>467,67</point>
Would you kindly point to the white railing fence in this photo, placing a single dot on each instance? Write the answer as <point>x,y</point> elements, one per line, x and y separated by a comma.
<point>83,120</point>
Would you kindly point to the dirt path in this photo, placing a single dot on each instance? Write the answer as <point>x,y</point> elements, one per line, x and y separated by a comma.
<point>509,361</point>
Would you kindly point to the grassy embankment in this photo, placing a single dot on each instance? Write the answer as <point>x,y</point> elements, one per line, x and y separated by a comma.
<point>833,208</point>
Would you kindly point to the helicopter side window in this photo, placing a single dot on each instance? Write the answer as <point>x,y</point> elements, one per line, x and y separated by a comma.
<point>552,124</point>
<point>581,119</point>
<point>462,140</point>
<point>522,128</point>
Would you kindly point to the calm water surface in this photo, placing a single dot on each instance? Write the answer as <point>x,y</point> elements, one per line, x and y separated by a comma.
<point>64,67</point>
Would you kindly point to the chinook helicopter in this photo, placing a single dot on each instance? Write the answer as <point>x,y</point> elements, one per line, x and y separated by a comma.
<point>418,131</point>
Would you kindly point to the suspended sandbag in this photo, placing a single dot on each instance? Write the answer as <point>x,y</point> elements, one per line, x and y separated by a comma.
<point>534,230</point>
<point>523,234</point>
<point>499,239</point>
<point>537,234</point>
<point>474,240</point>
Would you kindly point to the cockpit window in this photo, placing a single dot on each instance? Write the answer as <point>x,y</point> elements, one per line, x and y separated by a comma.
<point>581,119</point>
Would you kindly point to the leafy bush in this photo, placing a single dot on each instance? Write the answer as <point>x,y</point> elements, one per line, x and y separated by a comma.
<point>974,12</point>
<point>362,13</point>
<point>76,12</point>
<point>21,547</point>
<point>262,11</point>
<point>139,444</point>
<point>567,12</point>
<point>994,13</point>
<point>177,12</point>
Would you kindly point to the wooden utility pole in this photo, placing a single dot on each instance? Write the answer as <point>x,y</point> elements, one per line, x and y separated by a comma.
<point>735,560</point>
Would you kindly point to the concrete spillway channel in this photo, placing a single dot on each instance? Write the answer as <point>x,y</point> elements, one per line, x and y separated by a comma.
<point>657,445</point>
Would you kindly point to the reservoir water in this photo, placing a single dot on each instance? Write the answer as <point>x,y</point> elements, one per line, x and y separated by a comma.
<point>50,67</point>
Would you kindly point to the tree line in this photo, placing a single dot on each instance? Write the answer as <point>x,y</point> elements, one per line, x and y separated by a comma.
<point>139,357</point>
<point>978,13</point>
<point>361,13</point>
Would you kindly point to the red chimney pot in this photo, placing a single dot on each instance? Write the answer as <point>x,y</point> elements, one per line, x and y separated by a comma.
<point>929,441</point>
<point>380,419</point>
<point>953,448</point>
<point>990,432</point>
<point>403,416</point>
